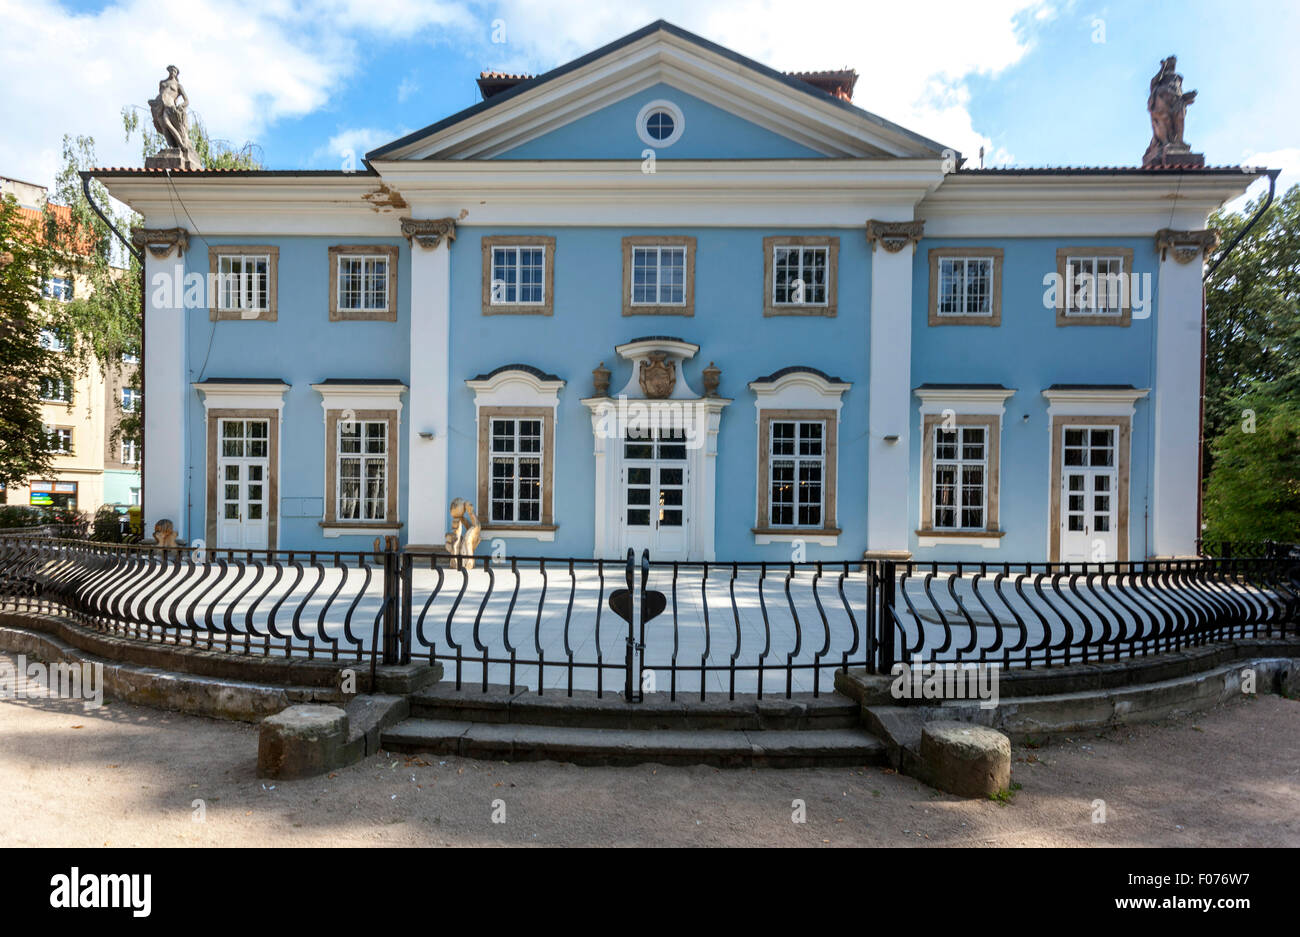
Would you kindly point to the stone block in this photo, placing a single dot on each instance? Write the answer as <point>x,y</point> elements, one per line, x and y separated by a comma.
<point>965,759</point>
<point>302,741</point>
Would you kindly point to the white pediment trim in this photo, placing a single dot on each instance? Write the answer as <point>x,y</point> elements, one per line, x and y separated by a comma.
<point>1094,401</point>
<point>967,401</point>
<point>663,57</point>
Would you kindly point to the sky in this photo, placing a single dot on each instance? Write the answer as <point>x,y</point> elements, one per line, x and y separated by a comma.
<point>313,83</point>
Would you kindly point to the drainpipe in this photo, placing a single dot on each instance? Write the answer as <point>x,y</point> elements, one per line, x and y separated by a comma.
<point>1205,331</point>
<point>139,256</point>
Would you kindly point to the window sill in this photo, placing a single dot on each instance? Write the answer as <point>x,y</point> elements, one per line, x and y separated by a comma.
<point>540,532</point>
<point>333,529</point>
<point>518,309</point>
<point>821,536</point>
<point>775,310</point>
<point>988,319</point>
<point>990,539</point>
<point>648,309</point>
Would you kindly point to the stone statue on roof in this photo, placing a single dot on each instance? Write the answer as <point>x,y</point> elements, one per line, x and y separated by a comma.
<point>1167,104</point>
<point>172,122</point>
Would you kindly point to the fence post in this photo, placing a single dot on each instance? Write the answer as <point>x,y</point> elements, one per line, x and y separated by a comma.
<point>885,616</point>
<point>392,596</point>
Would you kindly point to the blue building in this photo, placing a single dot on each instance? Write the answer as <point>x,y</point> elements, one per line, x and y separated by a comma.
<point>666,297</point>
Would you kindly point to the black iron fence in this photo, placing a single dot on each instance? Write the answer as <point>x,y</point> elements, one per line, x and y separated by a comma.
<point>633,626</point>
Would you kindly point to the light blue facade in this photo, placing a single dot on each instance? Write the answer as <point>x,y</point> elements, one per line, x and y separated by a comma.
<point>769,158</point>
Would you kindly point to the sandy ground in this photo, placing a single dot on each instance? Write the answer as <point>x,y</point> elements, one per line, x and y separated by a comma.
<point>126,775</point>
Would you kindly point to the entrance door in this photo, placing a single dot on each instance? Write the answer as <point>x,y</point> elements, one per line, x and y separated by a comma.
<point>1089,489</point>
<point>654,481</point>
<point>243,467</point>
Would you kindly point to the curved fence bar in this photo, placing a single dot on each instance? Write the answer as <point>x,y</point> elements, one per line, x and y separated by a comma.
<point>552,625</point>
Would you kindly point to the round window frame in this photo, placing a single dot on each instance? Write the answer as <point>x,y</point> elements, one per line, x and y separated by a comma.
<point>643,119</point>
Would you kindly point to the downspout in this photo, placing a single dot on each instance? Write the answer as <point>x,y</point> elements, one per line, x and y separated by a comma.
<point>1205,333</point>
<point>139,256</point>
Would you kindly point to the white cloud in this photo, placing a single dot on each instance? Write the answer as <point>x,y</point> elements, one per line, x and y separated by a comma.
<point>912,58</point>
<point>66,72</point>
<point>407,88</point>
<point>1287,160</point>
<point>258,63</point>
<point>350,145</point>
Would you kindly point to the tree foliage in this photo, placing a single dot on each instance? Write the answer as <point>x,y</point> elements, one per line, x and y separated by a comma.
<point>26,260</point>
<point>1252,385</point>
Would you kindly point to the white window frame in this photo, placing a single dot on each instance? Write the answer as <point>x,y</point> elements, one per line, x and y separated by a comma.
<point>363,457</point>
<point>50,291</point>
<point>518,267</point>
<point>959,462</point>
<point>515,457</point>
<point>130,399</point>
<point>1074,268</point>
<point>366,273</point>
<point>658,267</point>
<point>130,452</point>
<point>826,285</point>
<point>799,461</point>
<point>246,291</point>
<point>50,340</point>
<point>61,385</point>
<point>64,436</point>
<point>965,293</point>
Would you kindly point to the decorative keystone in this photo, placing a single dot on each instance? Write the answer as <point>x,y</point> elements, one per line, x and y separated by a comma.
<point>429,233</point>
<point>893,236</point>
<point>161,241</point>
<point>1186,245</point>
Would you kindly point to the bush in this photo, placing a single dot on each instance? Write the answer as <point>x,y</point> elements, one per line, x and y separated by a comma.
<point>108,526</point>
<point>15,516</point>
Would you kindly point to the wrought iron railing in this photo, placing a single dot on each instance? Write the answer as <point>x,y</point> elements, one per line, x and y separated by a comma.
<point>630,626</point>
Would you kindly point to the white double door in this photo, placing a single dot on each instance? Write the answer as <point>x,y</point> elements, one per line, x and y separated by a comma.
<point>1089,521</point>
<point>243,474</point>
<point>654,479</point>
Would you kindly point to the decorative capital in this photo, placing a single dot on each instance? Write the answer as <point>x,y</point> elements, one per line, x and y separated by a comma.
<point>161,241</point>
<point>1186,245</point>
<point>893,236</point>
<point>429,233</point>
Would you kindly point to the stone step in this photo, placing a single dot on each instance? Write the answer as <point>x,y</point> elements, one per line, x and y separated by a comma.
<point>584,709</point>
<point>729,748</point>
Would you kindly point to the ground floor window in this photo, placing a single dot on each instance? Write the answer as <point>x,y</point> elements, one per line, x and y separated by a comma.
<point>960,477</point>
<point>796,472</point>
<point>516,484</point>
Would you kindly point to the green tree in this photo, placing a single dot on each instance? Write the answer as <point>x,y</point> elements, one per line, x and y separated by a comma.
<point>1252,314</point>
<point>26,260</point>
<point>1254,489</point>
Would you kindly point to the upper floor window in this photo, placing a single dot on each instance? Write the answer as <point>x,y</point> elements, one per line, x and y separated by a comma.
<point>130,399</point>
<point>246,282</point>
<point>965,286</point>
<point>659,276</point>
<point>1094,286</point>
<point>55,389</point>
<point>518,275</point>
<point>363,283</point>
<point>130,452</point>
<point>52,340</point>
<point>800,275</point>
<point>660,124</point>
<point>128,358</point>
<point>59,440</point>
<point>59,288</point>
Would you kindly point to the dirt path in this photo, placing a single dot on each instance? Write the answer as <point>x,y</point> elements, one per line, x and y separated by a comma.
<point>126,775</point>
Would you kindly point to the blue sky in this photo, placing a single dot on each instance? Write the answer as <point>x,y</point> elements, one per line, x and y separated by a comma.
<point>1036,82</point>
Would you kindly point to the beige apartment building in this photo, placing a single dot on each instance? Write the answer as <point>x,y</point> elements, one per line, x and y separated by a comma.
<point>92,464</point>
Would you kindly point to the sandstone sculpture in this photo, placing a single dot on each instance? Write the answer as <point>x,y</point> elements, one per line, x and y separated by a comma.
<point>172,122</point>
<point>1167,104</point>
<point>463,539</point>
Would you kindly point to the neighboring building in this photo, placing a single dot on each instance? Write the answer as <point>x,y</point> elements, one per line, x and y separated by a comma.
<point>81,415</point>
<point>895,377</point>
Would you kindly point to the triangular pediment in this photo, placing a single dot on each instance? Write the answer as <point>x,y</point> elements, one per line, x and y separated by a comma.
<point>809,122</point>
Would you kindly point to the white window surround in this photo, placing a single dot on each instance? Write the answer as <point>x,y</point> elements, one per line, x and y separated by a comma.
<point>361,396</point>
<point>516,387</point>
<point>965,401</point>
<point>800,389</point>
<point>660,106</point>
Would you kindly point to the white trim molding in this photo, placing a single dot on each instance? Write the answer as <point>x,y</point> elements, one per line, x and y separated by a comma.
<point>673,111</point>
<point>1100,400</point>
<point>967,400</point>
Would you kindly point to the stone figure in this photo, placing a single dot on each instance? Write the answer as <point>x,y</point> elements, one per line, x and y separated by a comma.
<point>463,539</point>
<point>600,380</point>
<point>172,122</point>
<point>164,533</point>
<point>1167,104</point>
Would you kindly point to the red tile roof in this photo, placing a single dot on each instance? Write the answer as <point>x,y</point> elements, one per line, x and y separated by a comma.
<point>63,217</point>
